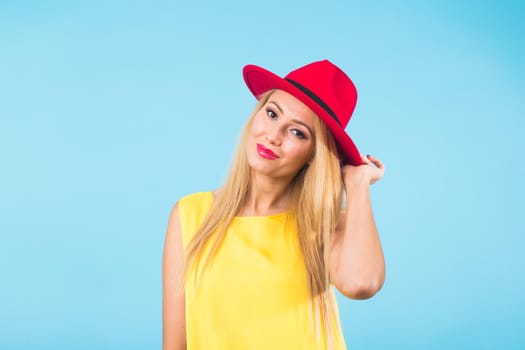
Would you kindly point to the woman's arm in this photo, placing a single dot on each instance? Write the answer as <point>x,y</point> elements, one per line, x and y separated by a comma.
<point>357,266</point>
<point>173,303</point>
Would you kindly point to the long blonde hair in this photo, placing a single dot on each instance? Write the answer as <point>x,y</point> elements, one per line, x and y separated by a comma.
<point>316,193</point>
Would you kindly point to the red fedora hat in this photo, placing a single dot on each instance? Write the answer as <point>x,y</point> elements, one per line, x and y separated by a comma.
<point>324,88</point>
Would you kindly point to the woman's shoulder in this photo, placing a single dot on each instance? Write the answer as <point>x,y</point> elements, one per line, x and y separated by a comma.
<point>196,197</point>
<point>192,209</point>
<point>196,202</point>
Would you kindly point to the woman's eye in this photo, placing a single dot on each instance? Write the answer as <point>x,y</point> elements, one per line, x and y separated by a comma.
<point>298,133</point>
<point>271,113</point>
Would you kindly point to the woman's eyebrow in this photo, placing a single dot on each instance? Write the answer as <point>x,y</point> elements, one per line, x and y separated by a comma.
<point>276,105</point>
<point>303,124</point>
<point>294,120</point>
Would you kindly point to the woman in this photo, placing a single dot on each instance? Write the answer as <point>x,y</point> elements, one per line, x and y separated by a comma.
<point>253,264</point>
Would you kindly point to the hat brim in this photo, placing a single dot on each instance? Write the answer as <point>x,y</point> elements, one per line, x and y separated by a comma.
<point>260,80</point>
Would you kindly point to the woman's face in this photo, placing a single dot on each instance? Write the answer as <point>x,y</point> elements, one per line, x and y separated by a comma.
<point>281,137</point>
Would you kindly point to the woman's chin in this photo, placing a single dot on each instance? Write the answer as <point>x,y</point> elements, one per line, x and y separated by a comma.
<point>264,166</point>
<point>270,170</point>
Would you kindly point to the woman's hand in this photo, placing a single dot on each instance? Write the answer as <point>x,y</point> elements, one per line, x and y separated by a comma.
<point>367,173</point>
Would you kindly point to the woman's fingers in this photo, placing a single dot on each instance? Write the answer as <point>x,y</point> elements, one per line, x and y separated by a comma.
<point>376,161</point>
<point>365,160</point>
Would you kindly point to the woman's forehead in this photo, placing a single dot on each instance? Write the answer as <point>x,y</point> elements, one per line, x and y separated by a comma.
<point>292,107</point>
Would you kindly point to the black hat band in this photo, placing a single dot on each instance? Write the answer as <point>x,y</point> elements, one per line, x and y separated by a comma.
<point>316,98</point>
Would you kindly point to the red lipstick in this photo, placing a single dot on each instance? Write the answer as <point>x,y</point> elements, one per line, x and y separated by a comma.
<point>265,152</point>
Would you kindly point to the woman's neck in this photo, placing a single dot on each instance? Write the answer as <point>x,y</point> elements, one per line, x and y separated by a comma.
<point>266,197</point>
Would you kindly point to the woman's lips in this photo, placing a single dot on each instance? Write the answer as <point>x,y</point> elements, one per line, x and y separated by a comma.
<point>265,152</point>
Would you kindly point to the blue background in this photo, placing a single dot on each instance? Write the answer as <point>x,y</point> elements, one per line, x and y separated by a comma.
<point>111,111</point>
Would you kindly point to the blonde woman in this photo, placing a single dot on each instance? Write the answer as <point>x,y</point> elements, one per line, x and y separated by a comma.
<point>253,264</point>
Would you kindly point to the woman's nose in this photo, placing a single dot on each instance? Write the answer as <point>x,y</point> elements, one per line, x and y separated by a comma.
<point>273,136</point>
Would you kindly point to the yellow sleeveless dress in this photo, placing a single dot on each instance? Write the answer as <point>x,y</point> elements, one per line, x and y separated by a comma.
<point>254,293</point>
